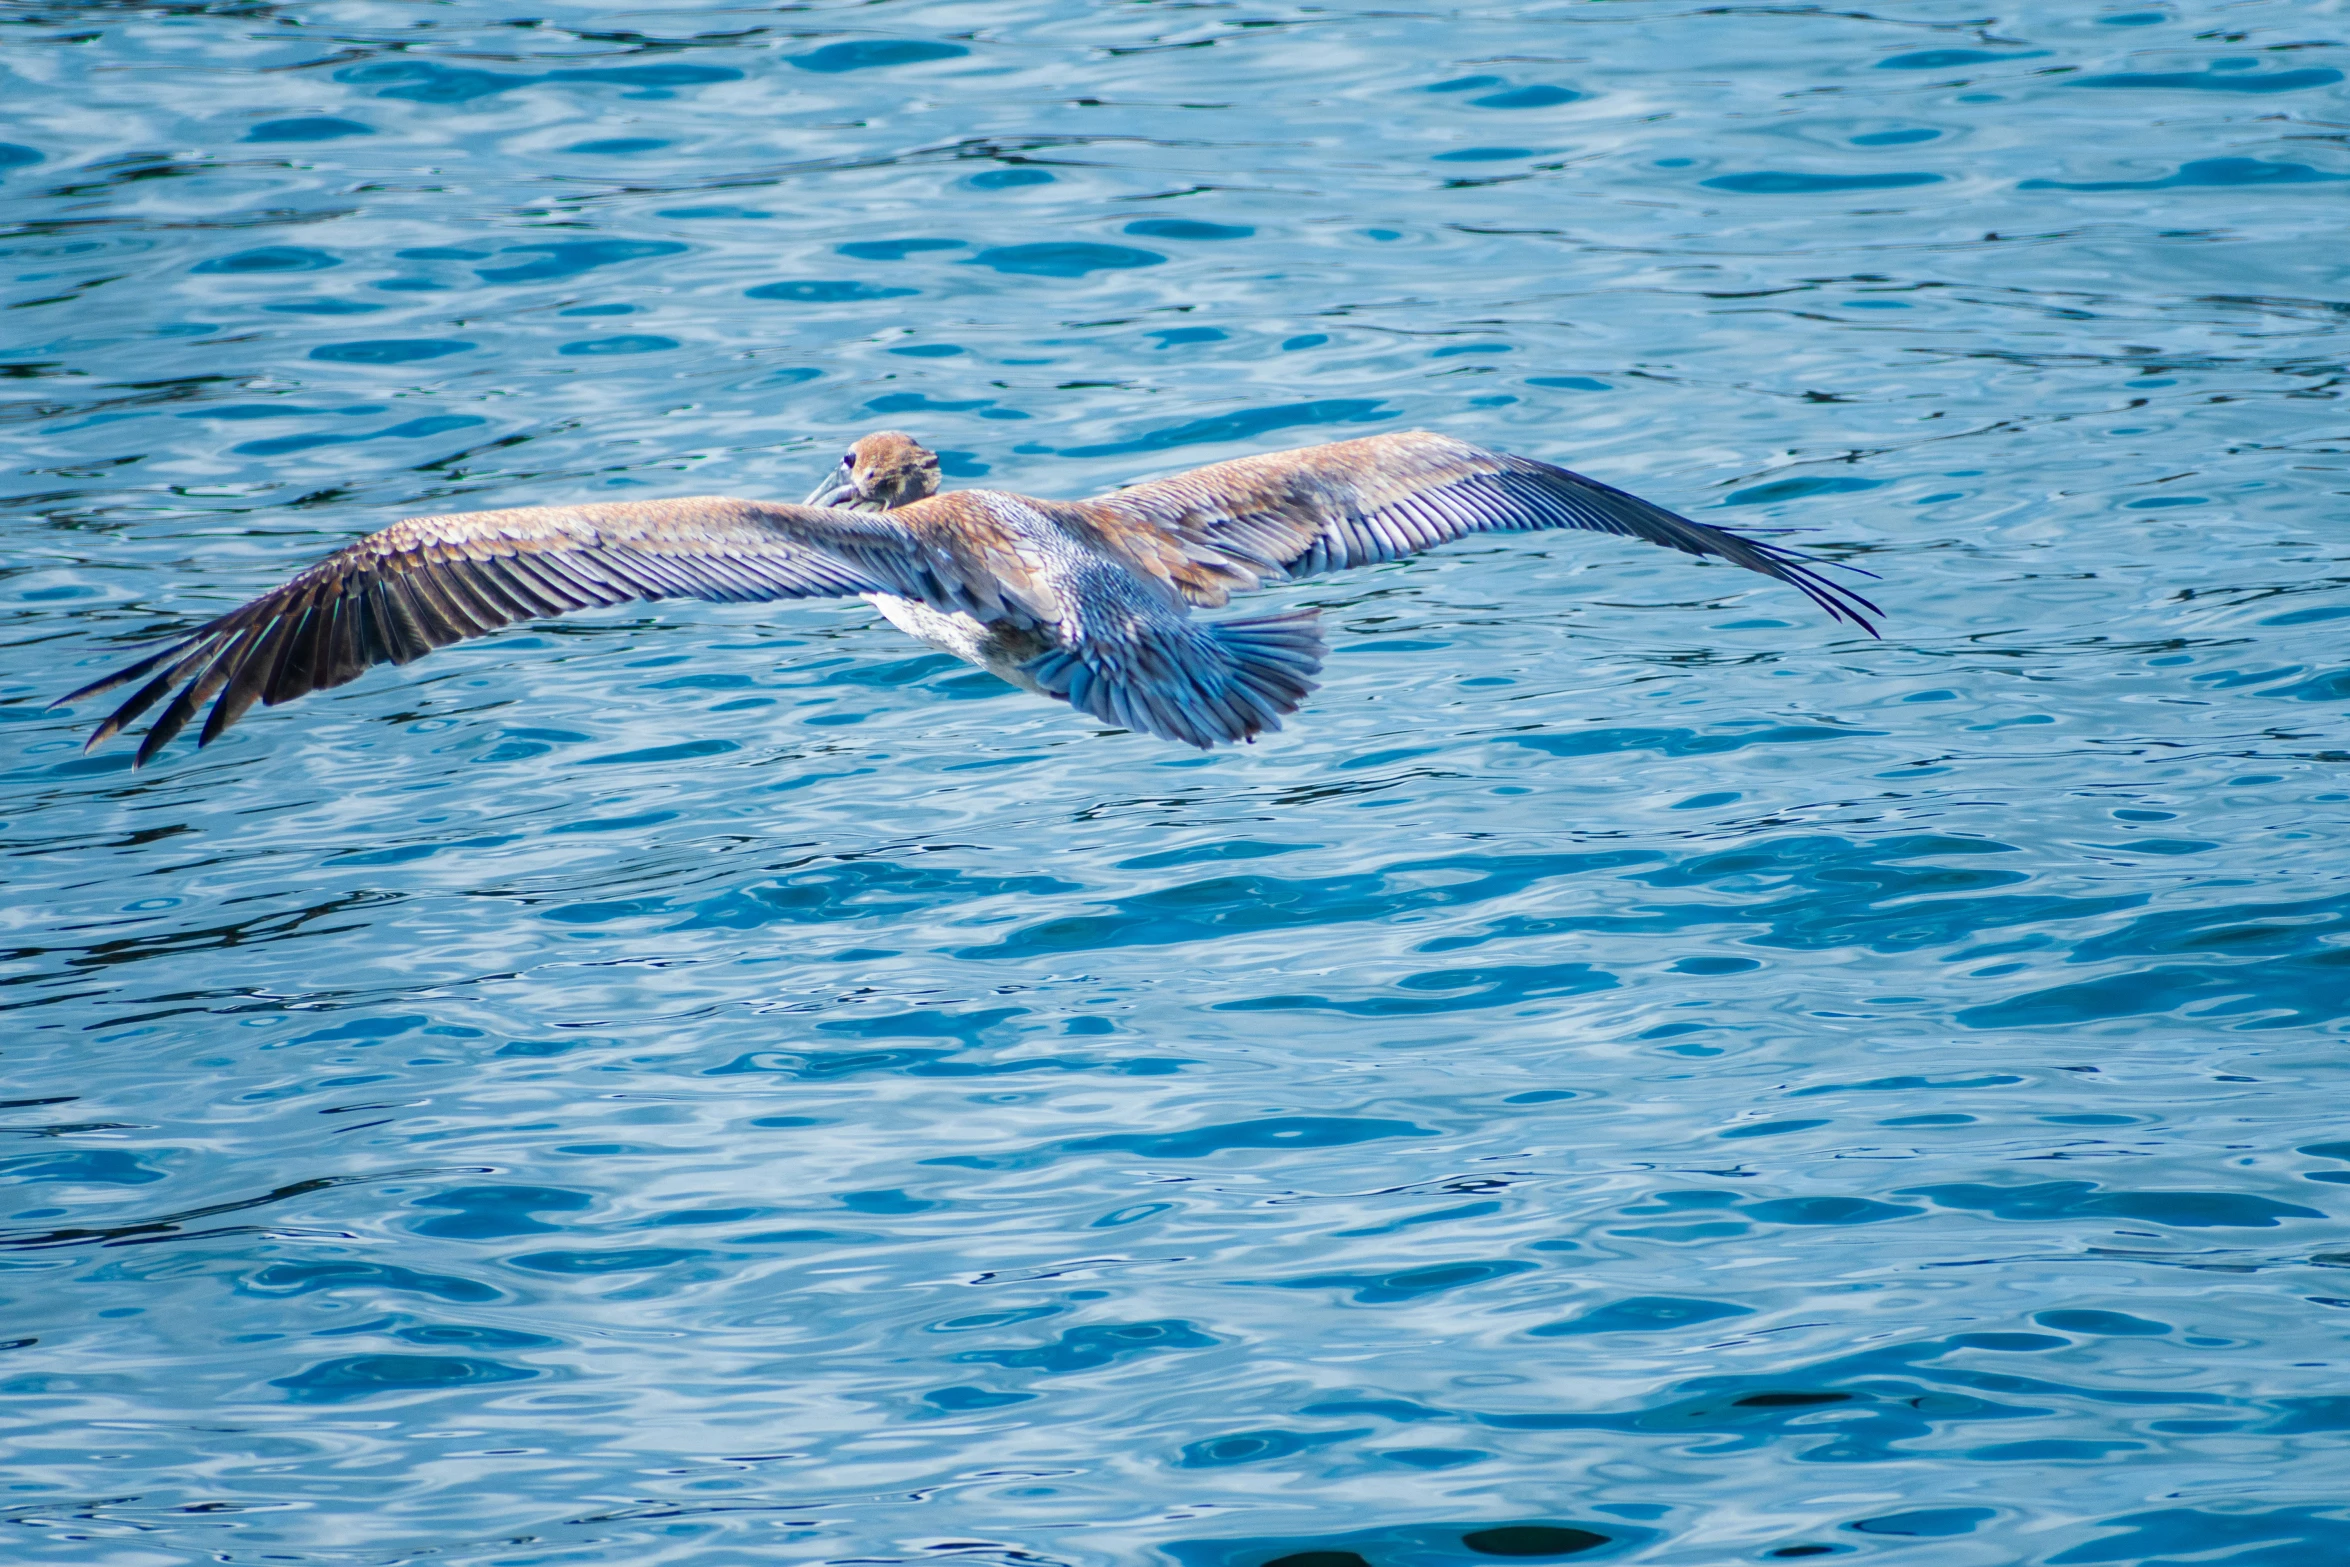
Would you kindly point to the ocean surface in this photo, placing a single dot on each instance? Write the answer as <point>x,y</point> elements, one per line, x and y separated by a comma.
<point>1633,1072</point>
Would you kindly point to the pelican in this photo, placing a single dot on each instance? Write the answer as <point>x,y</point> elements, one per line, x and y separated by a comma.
<point>1089,602</point>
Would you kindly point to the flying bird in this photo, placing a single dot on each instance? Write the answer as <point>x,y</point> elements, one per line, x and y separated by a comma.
<point>1086,601</point>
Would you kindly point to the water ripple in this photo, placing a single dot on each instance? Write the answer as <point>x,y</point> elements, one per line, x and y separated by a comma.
<point>1629,1074</point>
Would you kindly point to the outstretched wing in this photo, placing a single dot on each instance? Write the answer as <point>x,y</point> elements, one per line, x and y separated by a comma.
<point>429,581</point>
<point>1356,503</point>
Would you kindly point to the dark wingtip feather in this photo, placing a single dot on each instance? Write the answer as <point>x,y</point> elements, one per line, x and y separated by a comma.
<point>231,705</point>
<point>124,675</point>
<point>1590,503</point>
<point>167,725</point>
<point>227,655</point>
<point>1841,603</point>
<point>139,701</point>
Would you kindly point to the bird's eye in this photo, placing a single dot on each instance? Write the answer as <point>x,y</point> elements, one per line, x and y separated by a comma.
<point>848,459</point>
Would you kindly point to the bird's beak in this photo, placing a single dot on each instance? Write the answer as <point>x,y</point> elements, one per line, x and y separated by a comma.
<point>836,490</point>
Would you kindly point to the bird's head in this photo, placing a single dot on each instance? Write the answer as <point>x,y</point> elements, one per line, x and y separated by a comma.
<point>885,469</point>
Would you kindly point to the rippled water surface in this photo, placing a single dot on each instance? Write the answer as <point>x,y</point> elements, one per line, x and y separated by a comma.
<point>1633,1072</point>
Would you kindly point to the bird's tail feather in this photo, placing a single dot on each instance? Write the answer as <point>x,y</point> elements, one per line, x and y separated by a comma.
<point>1210,685</point>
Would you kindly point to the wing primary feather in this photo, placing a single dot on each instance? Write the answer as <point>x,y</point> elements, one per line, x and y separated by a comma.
<point>406,641</point>
<point>195,694</point>
<point>1417,528</point>
<point>350,643</point>
<point>489,589</point>
<point>415,612</point>
<point>254,670</point>
<point>382,623</point>
<point>303,667</point>
<point>140,700</point>
<point>711,577</point>
<point>375,646</point>
<point>286,667</point>
<point>675,576</point>
<point>258,665</point>
<point>186,649</point>
<point>531,601</point>
<point>426,587</point>
<point>207,641</point>
<point>746,579</point>
<point>624,569</point>
<point>454,579</point>
<point>190,651</point>
<point>592,573</point>
<point>412,593</point>
<point>132,672</point>
<point>324,651</point>
<point>698,576</point>
<point>617,571</point>
<point>557,584</point>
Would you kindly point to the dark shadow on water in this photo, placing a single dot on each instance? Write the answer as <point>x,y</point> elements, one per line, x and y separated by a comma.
<point>2214,81</point>
<point>429,81</point>
<point>1405,1284</point>
<point>870,54</point>
<point>1781,183</point>
<point>1500,985</point>
<point>824,291</point>
<point>1187,228</point>
<point>558,260</point>
<point>2216,172</point>
<point>278,1279</point>
<point>389,351</point>
<point>1272,1132</point>
<point>1803,893</point>
<point>867,889</point>
<point>833,1065</point>
<point>1093,1347</point>
<point>1064,259</point>
<point>1953,59</point>
<point>895,249</point>
<point>2045,1201</point>
<point>2276,964</point>
<point>354,1377</point>
<point>1644,1314</point>
<point>269,258</point>
<point>494,1212</point>
<point>1926,1523</point>
<point>1404,1545</point>
<point>1269,1134</point>
<point>317,127</point>
<point>2306,1536</point>
<point>172,1225</point>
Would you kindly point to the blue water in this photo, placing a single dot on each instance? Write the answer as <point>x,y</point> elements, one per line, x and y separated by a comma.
<point>1634,1072</point>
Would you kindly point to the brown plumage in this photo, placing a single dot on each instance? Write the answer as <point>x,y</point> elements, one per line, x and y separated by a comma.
<point>1087,601</point>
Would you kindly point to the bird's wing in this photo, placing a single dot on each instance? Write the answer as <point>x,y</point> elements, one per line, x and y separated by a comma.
<point>429,581</point>
<point>1356,503</point>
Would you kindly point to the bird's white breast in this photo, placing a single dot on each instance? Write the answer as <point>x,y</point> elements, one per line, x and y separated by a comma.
<point>970,640</point>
